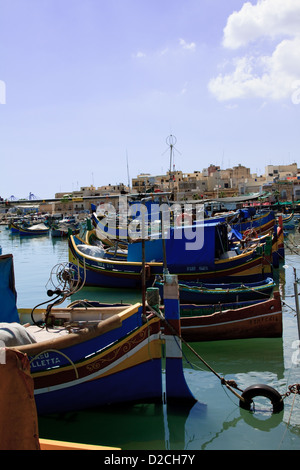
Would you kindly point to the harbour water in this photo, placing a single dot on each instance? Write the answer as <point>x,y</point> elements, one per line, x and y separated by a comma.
<point>216,422</point>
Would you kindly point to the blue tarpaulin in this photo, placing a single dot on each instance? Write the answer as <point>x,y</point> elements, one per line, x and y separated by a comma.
<point>8,309</point>
<point>185,246</point>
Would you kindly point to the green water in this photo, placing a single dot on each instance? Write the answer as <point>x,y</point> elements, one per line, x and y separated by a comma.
<point>216,422</point>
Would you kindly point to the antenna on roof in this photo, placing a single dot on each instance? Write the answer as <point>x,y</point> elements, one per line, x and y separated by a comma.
<point>127,169</point>
<point>171,142</point>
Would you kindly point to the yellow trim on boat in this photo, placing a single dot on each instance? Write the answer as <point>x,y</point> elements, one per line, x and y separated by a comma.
<point>49,444</point>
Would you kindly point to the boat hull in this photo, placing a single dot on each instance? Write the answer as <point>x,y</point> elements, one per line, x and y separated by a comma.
<point>115,367</point>
<point>32,233</point>
<point>203,293</point>
<point>104,272</point>
<point>261,320</point>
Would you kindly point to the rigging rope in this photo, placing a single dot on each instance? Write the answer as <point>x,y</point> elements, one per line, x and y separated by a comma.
<point>228,383</point>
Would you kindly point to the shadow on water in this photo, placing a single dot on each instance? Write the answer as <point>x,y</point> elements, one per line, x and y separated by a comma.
<point>127,426</point>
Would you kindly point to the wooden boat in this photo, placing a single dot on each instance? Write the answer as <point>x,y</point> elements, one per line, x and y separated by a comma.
<point>19,428</point>
<point>60,230</point>
<point>113,228</point>
<point>205,293</point>
<point>289,221</point>
<point>100,356</point>
<point>50,444</point>
<point>34,230</point>
<point>262,222</point>
<point>257,320</point>
<point>111,249</point>
<point>211,262</point>
<point>14,227</point>
<point>251,238</point>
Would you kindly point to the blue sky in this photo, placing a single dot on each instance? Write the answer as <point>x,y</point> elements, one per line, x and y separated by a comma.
<point>86,84</point>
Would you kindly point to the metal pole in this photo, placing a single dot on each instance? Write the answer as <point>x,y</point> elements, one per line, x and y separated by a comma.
<point>297,301</point>
<point>143,261</point>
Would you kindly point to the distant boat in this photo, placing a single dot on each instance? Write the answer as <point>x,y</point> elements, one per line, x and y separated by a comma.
<point>34,230</point>
<point>14,227</point>
<point>262,221</point>
<point>61,229</point>
<point>289,222</point>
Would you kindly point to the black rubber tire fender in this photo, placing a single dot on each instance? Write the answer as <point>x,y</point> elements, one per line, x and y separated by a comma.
<point>261,390</point>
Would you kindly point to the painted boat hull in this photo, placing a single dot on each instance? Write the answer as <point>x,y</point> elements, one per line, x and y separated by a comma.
<point>262,223</point>
<point>259,320</point>
<point>99,371</point>
<point>103,272</point>
<point>33,233</point>
<point>118,360</point>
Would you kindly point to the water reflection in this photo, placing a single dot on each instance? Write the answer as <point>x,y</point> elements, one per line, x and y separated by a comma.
<point>139,426</point>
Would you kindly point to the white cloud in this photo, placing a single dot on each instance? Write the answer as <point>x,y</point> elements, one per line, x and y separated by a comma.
<point>260,75</point>
<point>139,55</point>
<point>168,50</point>
<point>185,45</point>
<point>270,18</point>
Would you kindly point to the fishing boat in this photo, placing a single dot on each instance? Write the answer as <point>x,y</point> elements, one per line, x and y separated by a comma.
<point>261,221</point>
<point>19,428</point>
<point>62,229</point>
<point>289,222</point>
<point>14,227</point>
<point>114,227</point>
<point>86,357</point>
<point>251,238</point>
<point>208,260</point>
<point>259,319</point>
<point>34,230</point>
<point>205,293</point>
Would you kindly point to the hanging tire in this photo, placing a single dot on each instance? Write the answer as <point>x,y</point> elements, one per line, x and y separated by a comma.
<point>260,390</point>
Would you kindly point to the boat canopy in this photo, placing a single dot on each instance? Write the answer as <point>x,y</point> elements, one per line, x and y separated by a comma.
<point>189,245</point>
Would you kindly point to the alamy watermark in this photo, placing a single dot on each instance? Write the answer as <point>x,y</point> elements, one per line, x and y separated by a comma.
<point>2,92</point>
<point>296,353</point>
<point>296,93</point>
<point>2,352</point>
<point>150,220</point>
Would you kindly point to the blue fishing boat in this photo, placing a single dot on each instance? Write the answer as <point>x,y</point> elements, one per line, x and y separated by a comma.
<point>14,227</point>
<point>261,222</point>
<point>206,257</point>
<point>34,230</point>
<point>87,357</point>
<point>115,227</point>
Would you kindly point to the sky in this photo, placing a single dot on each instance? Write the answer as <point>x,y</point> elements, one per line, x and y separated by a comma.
<point>90,90</point>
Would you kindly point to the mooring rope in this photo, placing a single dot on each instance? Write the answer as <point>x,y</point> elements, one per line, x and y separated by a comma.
<point>228,383</point>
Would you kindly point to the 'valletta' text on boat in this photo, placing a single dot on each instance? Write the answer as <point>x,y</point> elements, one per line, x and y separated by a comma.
<point>86,357</point>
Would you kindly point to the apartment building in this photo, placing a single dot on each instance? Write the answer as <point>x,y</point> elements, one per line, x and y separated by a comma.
<point>280,172</point>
